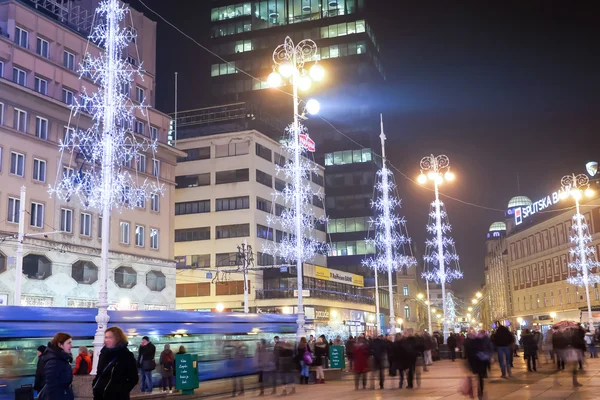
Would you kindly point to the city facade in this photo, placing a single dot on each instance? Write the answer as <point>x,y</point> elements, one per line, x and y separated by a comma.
<point>42,44</point>
<point>497,274</point>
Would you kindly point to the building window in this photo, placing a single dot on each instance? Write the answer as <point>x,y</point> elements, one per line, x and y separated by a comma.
<point>405,290</point>
<point>192,207</point>
<point>20,120</point>
<point>41,128</point>
<point>230,288</point>
<point>124,233</point>
<point>263,205</point>
<point>139,235</point>
<point>67,97</point>
<point>232,149</point>
<point>125,277</point>
<point>21,37</point>
<point>264,259</point>
<point>232,203</point>
<point>317,201</point>
<point>156,168</point>
<point>14,208</point>
<point>66,220</point>
<point>41,85</point>
<point>263,152</point>
<point>37,215</point>
<point>131,61</point>
<point>39,170</point>
<point>139,94</point>
<point>1,118</point>
<point>189,181</point>
<point>153,133</point>
<point>193,234</point>
<point>69,60</point>
<point>351,248</point>
<point>232,231</point>
<point>86,224</point>
<point>139,127</point>
<point>155,202</point>
<point>100,227</point>
<point>233,176</point>
<point>343,225</point>
<point>17,164</point>
<point>230,259</point>
<point>68,172</point>
<point>154,238</point>
<point>264,178</point>
<point>67,134</point>
<point>348,157</point>
<point>264,232</point>
<point>156,281</point>
<point>406,313</point>
<point>280,236</point>
<point>19,76</point>
<point>193,261</point>
<point>141,163</point>
<point>141,202</point>
<point>279,185</point>
<point>124,88</point>
<point>193,289</point>
<point>318,179</point>
<point>199,153</point>
<point>84,272</point>
<point>37,267</point>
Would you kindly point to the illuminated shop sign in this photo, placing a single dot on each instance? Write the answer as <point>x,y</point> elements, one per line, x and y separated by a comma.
<point>525,212</point>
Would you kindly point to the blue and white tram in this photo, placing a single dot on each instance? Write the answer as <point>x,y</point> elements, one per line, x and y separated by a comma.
<point>209,335</point>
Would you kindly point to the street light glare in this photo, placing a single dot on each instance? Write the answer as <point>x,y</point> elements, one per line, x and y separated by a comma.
<point>313,106</point>
<point>422,179</point>
<point>220,307</point>
<point>470,309</point>
<point>304,83</point>
<point>286,69</point>
<point>474,301</point>
<point>317,73</point>
<point>564,195</point>
<point>274,80</point>
<point>589,192</point>
<point>449,176</point>
<point>420,296</point>
<point>478,295</point>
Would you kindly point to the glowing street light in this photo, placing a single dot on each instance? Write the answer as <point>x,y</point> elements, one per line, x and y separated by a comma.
<point>442,252</point>
<point>553,315</point>
<point>220,307</point>
<point>478,295</point>
<point>313,106</point>
<point>584,261</point>
<point>470,309</point>
<point>474,301</point>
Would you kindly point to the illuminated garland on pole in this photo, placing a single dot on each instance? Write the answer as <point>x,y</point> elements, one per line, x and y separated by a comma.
<point>389,236</point>
<point>105,156</point>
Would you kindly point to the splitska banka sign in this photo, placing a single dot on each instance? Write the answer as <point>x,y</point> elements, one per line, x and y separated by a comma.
<point>524,212</point>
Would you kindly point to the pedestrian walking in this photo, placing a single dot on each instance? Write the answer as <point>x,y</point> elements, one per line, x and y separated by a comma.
<point>361,363</point>
<point>590,340</point>
<point>350,351</point>
<point>530,347</point>
<point>452,343</point>
<point>117,368</point>
<point>287,367</point>
<point>408,357</point>
<point>378,353</point>
<point>578,341</point>
<point>503,340</point>
<point>146,363</point>
<point>428,348</point>
<point>58,376</point>
<point>559,344</point>
<point>304,358</point>
<point>166,361</point>
<point>38,382</point>
<point>238,355</point>
<point>319,360</point>
<point>83,362</point>
<point>476,355</point>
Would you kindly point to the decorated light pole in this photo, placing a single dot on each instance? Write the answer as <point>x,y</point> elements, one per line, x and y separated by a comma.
<point>106,155</point>
<point>389,235</point>
<point>440,251</point>
<point>583,256</point>
<point>298,217</point>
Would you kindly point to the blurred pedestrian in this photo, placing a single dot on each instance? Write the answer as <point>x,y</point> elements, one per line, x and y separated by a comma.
<point>287,367</point>
<point>590,340</point>
<point>238,355</point>
<point>529,349</point>
<point>319,360</point>
<point>350,351</point>
<point>378,354</point>
<point>117,368</point>
<point>477,356</point>
<point>58,376</point>
<point>559,344</point>
<point>83,362</point>
<point>167,364</point>
<point>38,382</point>
<point>428,348</point>
<point>181,350</point>
<point>408,361</point>
<point>304,358</point>
<point>361,362</point>
<point>146,363</point>
<point>503,340</point>
<point>262,360</point>
<point>452,343</point>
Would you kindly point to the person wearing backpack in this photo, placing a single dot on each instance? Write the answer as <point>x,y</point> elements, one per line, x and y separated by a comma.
<point>305,360</point>
<point>83,362</point>
<point>167,362</point>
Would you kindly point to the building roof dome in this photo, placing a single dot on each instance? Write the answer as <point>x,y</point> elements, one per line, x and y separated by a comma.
<point>497,226</point>
<point>519,201</point>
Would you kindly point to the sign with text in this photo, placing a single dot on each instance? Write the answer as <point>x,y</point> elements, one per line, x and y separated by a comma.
<point>525,212</point>
<point>186,373</point>
<point>305,293</point>
<point>307,142</point>
<point>333,275</point>
<point>336,357</point>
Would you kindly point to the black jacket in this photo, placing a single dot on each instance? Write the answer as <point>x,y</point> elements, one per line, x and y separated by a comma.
<point>146,353</point>
<point>451,341</point>
<point>117,374</point>
<point>378,349</point>
<point>39,374</point>
<point>320,353</point>
<point>58,375</point>
<point>503,337</point>
<point>476,354</point>
<point>529,344</point>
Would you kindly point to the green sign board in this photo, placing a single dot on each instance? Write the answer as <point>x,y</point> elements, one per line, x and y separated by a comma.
<point>186,373</point>
<point>336,357</point>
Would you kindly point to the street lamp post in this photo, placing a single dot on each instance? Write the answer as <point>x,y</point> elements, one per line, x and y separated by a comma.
<point>290,59</point>
<point>438,170</point>
<point>577,186</point>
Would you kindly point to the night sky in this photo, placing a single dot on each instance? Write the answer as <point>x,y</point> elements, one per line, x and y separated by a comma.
<point>506,90</point>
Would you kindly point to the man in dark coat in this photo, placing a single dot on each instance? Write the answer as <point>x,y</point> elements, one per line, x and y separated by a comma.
<point>530,347</point>
<point>146,363</point>
<point>503,340</point>
<point>378,352</point>
<point>39,370</point>
<point>452,346</point>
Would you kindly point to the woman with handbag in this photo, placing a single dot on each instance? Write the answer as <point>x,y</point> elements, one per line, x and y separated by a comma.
<point>117,368</point>
<point>305,358</point>
<point>167,363</point>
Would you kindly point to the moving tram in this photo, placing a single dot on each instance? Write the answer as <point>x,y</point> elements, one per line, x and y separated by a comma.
<point>211,336</point>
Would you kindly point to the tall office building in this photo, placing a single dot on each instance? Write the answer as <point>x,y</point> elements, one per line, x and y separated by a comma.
<point>42,42</point>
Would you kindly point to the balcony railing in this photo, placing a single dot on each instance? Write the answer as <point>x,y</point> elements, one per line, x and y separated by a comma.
<point>265,294</point>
